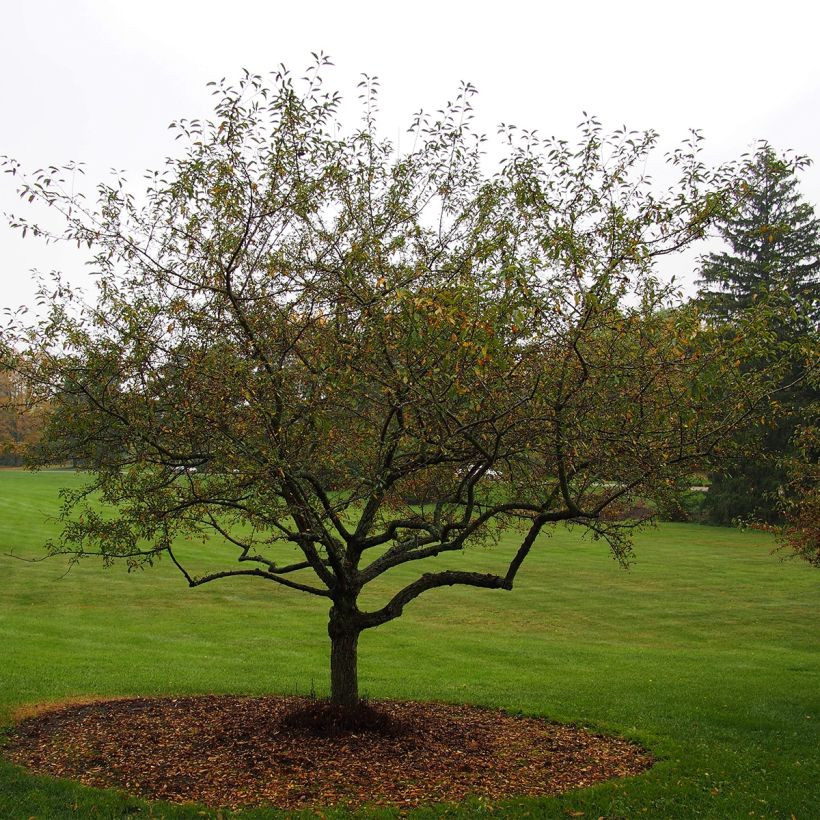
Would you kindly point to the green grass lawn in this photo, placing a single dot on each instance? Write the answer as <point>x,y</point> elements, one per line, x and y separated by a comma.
<point>706,651</point>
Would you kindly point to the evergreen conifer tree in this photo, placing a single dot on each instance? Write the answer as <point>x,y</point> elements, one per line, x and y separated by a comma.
<point>774,246</point>
<point>773,254</point>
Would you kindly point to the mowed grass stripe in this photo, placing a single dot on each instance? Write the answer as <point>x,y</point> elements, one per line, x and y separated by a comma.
<point>706,650</point>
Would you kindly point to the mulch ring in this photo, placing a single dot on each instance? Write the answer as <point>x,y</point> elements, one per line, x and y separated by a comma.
<point>226,751</point>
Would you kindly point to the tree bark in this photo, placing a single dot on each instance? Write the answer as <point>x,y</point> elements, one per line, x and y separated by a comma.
<point>344,675</point>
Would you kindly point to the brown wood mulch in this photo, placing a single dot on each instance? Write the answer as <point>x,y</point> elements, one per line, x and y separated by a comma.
<point>226,751</point>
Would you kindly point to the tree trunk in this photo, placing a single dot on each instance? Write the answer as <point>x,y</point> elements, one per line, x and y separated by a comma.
<point>344,675</point>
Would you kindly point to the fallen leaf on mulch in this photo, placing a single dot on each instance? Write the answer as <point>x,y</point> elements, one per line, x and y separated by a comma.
<point>232,751</point>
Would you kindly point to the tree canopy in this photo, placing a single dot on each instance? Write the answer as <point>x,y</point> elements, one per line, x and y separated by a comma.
<point>304,340</point>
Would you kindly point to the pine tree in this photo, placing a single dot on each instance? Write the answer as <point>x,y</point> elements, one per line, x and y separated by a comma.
<point>773,239</point>
<point>774,244</point>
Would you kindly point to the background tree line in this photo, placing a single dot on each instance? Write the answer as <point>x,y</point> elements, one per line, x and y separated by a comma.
<point>772,254</point>
<point>20,424</point>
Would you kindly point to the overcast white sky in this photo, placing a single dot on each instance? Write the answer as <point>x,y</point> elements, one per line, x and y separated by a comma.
<point>100,81</point>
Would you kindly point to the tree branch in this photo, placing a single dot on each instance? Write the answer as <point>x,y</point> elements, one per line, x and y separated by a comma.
<point>394,608</point>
